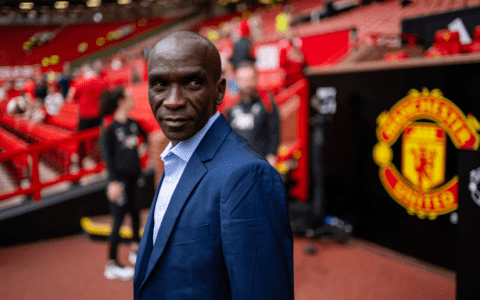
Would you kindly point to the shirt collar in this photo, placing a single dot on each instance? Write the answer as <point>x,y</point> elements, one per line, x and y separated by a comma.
<point>185,149</point>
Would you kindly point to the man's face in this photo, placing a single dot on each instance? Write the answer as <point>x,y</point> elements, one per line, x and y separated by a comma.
<point>181,89</point>
<point>247,81</point>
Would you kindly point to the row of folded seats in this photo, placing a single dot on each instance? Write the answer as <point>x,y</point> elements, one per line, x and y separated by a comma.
<point>59,156</point>
<point>446,42</point>
<point>67,118</point>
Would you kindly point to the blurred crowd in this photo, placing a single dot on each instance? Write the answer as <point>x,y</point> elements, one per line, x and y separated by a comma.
<point>42,95</point>
<point>236,38</point>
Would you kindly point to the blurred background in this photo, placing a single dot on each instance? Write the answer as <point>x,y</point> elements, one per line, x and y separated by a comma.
<point>377,102</point>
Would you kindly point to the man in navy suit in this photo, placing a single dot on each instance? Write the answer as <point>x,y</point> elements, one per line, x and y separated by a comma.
<point>218,227</point>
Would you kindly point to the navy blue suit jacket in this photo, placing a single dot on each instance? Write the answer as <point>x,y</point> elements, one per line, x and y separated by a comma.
<point>226,232</point>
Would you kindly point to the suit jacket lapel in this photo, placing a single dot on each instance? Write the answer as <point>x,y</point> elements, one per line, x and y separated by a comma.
<point>146,245</point>
<point>193,173</point>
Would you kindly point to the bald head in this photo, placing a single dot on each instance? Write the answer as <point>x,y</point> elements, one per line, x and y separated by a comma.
<point>181,42</point>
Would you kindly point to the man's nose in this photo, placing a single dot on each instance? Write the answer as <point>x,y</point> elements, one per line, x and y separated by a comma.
<point>175,99</point>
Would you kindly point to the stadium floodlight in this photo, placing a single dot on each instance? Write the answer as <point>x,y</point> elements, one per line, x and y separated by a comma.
<point>123,2</point>
<point>61,4</point>
<point>94,3</point>
<point>26,5</point>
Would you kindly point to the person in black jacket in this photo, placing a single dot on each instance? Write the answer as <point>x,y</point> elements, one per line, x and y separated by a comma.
<point>120,151</point>
<point>256,116</point>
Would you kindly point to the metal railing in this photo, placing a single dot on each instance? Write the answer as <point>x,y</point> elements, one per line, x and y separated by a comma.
<point>73,173</point>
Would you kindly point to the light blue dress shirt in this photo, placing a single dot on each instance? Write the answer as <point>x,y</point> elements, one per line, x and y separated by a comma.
<point>176,159</point>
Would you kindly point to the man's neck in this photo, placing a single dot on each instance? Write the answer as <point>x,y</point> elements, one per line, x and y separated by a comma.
<point>248,99</point>
<point>120,116</point>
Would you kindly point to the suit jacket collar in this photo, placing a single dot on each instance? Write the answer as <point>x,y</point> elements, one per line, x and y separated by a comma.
<point>193,173</point>
<point>211,142</point>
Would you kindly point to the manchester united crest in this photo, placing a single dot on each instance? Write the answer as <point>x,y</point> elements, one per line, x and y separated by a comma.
<point>421,122</point>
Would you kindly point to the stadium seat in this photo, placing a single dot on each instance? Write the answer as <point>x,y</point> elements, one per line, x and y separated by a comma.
<point>410,38</point>
<point>474,46</point>
<point>395,56</point>
<point>18,164</point>
<point>67,118</point>
<point>445,43</point>
<point>449,40</point>
<point>436,52</point>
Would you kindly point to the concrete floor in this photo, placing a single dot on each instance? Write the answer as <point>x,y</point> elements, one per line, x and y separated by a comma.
<point>72,268</point>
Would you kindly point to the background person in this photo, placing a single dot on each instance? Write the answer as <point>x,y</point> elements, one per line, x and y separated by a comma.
<point>86,92</point>
<point>242,48</point>
<point>255,117</point>
<point>120,151</point>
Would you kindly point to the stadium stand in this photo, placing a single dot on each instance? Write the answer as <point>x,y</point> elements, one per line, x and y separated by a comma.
<point>383,18</point>
<point>338,35</point>
<point>54,143</point>
<point>17,36</point>
<point>72,42</point>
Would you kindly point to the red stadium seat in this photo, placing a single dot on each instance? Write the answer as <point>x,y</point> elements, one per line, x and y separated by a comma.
<point>446,43</point>
<point>67,118</point>
<point>395,56</point>
<point>474,46</point>
<point>410,38</point>
<point>450,40</point>
<point>436,52</point>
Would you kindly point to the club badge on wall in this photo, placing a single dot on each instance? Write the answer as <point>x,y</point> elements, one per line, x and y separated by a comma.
<point>423,120</point>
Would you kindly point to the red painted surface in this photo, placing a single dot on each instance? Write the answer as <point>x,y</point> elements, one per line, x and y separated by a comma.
<point>72,268</point>
<point>302,141</point>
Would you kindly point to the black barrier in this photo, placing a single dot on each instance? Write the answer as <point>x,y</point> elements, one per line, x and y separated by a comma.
<point>468,228</point>
<point>353,189</point>
<point>59,215</point>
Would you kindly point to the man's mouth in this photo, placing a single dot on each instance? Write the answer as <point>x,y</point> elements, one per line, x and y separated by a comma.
<point>175,122</point>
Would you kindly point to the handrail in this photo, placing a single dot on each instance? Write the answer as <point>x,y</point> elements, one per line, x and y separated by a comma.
<point>34,151</point>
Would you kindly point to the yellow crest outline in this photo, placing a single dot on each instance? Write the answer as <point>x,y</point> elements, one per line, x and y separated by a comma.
<point>461,130</point>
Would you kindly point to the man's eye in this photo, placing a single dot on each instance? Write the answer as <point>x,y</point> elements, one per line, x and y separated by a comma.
<point>158,85</point>
<point>194,84</point>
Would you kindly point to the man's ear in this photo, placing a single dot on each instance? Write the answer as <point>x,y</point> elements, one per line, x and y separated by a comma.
<point>221,86</point>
